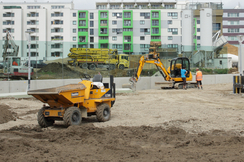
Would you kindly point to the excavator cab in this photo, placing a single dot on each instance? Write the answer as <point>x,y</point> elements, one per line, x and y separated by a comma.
<point>176,65</point>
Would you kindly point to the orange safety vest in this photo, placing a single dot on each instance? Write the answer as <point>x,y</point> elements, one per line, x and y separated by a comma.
<point>199,76</point>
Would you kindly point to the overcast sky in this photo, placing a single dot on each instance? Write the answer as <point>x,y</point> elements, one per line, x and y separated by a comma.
<point>90,4</point>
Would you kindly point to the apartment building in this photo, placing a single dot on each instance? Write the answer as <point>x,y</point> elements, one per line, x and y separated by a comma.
<point>233,24</point>
<point>52,25</point>
<point>126,26</point>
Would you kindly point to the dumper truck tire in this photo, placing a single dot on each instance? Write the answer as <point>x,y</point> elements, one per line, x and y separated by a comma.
<point>42,121</point>
<point>122,67</point>
<point>84,66</point>
<point>103,112</point>
<point>72,116</point>
<point>92,67</point>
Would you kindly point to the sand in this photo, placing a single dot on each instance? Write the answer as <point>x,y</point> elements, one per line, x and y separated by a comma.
<point>148,125</point>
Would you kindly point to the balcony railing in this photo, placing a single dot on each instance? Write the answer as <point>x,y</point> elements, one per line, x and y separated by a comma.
<point>147,33</point>
<point>127,40</point>
<point>103,32</point>
<point>146,17</point>
<point>104,17</point>
<point>127,24</point>
<point>103,24</point>
<point>155,24</point>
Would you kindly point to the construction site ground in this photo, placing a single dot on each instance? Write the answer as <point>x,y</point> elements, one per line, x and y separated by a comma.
<point>149,125</point>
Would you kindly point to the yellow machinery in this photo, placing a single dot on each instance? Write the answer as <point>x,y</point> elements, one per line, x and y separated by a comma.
<point>93,58</point>
<point>172,74</point>
<point>72,102</point>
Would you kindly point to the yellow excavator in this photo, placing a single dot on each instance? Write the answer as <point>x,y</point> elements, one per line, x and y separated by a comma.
<point>172,74</point>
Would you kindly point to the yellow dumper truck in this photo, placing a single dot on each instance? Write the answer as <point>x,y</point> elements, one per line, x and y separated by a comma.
<point>72,102</point>
<point>93,58</point>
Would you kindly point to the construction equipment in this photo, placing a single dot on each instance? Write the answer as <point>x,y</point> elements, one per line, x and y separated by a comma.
<point>12,67</point>
<point>172,74</point>
<point>93,58</point>
<point>72,102</point>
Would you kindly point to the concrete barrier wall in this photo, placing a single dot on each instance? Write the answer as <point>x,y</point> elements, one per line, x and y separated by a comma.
<point>142,84</point>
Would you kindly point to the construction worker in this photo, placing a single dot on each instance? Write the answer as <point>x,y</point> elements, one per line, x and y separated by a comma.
<point>15,63</point>
<point>183,76</point>
<point>199,78</point>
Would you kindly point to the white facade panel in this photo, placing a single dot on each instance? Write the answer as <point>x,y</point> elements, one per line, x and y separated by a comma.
<point>187,30</point>
<point>206,29</point>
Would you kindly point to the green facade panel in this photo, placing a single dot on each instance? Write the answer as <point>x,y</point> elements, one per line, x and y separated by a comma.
<point>157,26</point>
<point>103,27</point>
<point>130,43</point>
<point>128,33</point>
<point>80,26</point>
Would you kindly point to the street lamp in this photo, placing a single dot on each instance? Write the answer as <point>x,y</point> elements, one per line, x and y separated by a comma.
<point>29,77</point>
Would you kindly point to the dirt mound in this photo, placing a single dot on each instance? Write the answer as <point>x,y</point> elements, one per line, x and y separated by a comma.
<point>6,115</point>
<point>144,143</point>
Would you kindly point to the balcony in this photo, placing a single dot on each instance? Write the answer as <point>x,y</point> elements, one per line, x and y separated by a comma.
<point>127,40</point>
<point>103,24</point>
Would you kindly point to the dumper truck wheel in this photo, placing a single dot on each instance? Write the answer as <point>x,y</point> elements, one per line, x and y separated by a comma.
<point>92,67</point>
<point>72,116</point>
<point>83,66</point>
<point>42,121</point>
<point>122,67</point>
<point>103,112</point>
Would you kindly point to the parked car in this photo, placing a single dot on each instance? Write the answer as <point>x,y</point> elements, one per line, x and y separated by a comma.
<point>36,63</point>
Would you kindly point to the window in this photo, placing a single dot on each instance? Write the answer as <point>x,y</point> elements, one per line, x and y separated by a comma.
<point>155,31</point>
<point>56,15</point>
<point>216,26</point>
<point>142,22</point>
<point>74,30</point>
<point>127,38</point>
<point>198,46</point>
<point>74,22</point>
<point>82,39</point>
<point>198,37</point>
<point>82,30</point>
<point>114,38</point>
<point>127,46</point>
<point>8,22</point>
<point>56,54</point>
<point>127,15</point>
<point>198,29</point>
<point>91,16</point>
<point>145,14</point>
<point>114,22</point>
<point>91,39</point>
<point>127,23</point>
<point>118,15</point>
<point>103,31</point>
<point>91,23</point>
<point>172,45</point>
<point>220,62</point>
<point>74,38</point>
<point>173,14</point>
<point>103,15</point>
<point>169,6</point>
<point>74,14</point>
<point>169,21</point>
<point>118,31</point>
<point>170,38</point>
<point>198,21</point>
<point>74,45</point>
<point>127,29</point>
<point>56,22</point>
<point>155,22</point>
<point>57,7</point>
<point>57,30</point>
<point>142,38</point>
<point>91,45</point>
<point>233,30</point>
<point>232,38</point>
<point>144,45</point>
<point>82,23</point>
<point>91,31</point>
<point>103,23</point>
<point>173,30</point>
<point>117,46</point>
<point>155,15</point>
<point>233,22</point>
<point>33,54</point>
<point>155,37</point>
<point>233,14</point>
<point>33,7</point>
<point>82,15</point>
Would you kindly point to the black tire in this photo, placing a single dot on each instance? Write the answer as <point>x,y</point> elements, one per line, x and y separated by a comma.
<point>42,120</point>
<point>92,67</point>
<point>111,67</point>
<point>72,116</point>
<point>122,67</point>
<point>103,112</point>
<point>84,66</point>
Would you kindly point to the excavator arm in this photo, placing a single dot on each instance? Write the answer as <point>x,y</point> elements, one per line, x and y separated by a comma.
<point>156,61</point>
<point>15,47</point>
